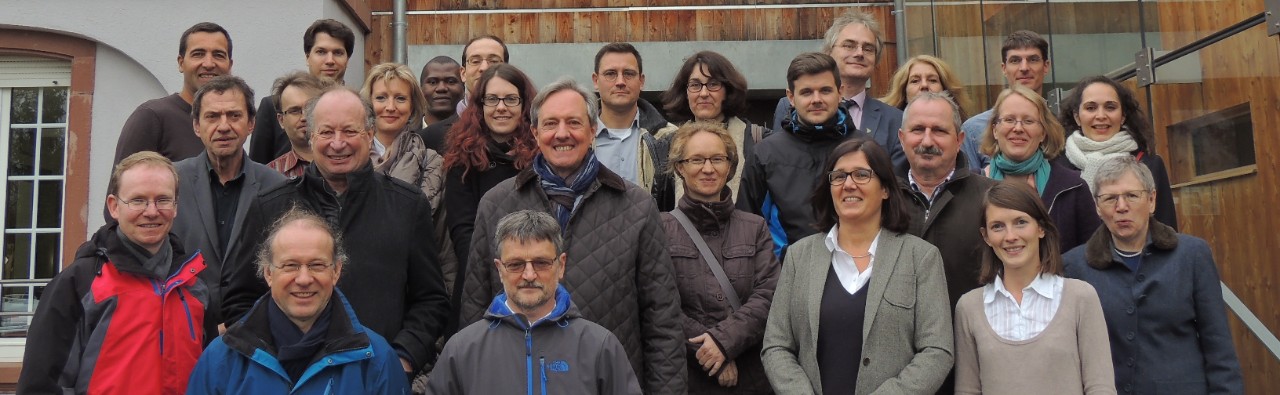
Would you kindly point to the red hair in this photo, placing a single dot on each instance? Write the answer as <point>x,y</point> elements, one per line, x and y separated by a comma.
<point>467,140</point>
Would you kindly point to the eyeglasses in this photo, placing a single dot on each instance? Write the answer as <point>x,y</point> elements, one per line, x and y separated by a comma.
<point>476,60</point>
<point>294,267</point>
<point>627,75</point>
<point>1031,60</point>
<point>713,86</point>
<point>716,161</point>
<point>1012,122</point>
<point>293,112</point>
<point>493,100</point>
<point>859,176</point>
<point>1108,200</point>
<point>162,204</point>
<point>539,265</point>
<point>853,47</point>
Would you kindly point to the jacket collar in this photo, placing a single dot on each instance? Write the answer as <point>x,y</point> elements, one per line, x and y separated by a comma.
<point>1098,250</point>
<point>1062,178</point>
<point>565,310</point>
<point>253,332</point>
<point>106,244</point>
<point>650,119</point>
<point>359,180</point>
<point>605,177</point>
<point>708,217</point>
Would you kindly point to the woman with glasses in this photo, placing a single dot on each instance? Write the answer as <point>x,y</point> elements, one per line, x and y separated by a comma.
<point>724,262</point>
<point>1022,140</point>
<point>1160,291</point>
<point>709,88</point>
<point>863,307</point>
<point>490,142</point>
<point>1026,308</point>
<point>1104,120</point>
<point>398,151</point>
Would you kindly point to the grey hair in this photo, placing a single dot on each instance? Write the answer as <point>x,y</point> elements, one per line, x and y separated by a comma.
<point>1112,169</point>
<point>853,16</point>
<point>562,84</point>
<point>529,225</point>
<point>310,109</point>
<point>939,96</point>
<point>309,219</point>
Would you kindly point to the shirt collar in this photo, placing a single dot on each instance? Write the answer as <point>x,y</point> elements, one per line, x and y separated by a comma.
<point>1043,285</point>
<point>860,98</point>
<point>911,178</point>
<point>833,242</point>
<point>208,167</point>
<point>619,134</point>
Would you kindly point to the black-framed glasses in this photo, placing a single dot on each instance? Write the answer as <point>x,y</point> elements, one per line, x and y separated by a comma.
<point>716,161</point>
<point>294,267</point>
<point>493,100</point>
<point>1108,200</point>
<point>712,86</point>
<point>539,265</point>
<point>859,176</point>
<point>162,204</point>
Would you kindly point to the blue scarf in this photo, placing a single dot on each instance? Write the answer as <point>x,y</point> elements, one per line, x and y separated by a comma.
<point>566,196</point>
<point>1037,164</point>
<point>835,128</point>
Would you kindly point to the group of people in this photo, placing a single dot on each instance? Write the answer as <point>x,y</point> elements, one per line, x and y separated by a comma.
<point>487,236</point>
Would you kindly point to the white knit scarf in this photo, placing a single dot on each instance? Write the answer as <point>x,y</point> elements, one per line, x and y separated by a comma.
<point>1087,154</point>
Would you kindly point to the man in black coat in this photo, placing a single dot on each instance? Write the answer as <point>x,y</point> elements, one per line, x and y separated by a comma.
<point>395,285</point>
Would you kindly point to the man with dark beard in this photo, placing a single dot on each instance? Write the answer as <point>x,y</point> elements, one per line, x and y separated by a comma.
<point>572,356</point>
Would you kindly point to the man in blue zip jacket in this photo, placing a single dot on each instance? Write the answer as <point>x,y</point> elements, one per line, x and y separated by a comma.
<point>302,337</point>
<point>532,327</point>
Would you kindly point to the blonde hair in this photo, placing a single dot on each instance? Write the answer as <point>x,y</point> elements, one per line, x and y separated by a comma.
<point>897,96</point>
<point>143,158</point>
<point>686,132</point>
<point>1054,135</point>
<point>390,71</point>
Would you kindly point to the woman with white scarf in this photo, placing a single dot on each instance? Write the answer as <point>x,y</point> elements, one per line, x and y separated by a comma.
<point>1103,121</point>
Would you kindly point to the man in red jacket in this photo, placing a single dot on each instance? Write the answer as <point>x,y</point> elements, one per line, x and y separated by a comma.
<point>127,316</point>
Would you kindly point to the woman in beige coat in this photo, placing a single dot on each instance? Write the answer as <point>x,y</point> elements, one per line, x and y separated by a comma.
<point>862,307</point>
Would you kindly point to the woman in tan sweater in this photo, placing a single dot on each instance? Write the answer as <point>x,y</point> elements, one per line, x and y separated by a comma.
<point>1028,330</point>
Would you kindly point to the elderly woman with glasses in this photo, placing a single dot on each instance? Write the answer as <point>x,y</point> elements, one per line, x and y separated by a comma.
<point>1105,120</point>
<point>862,308</point>
<point>708,88</point>
<point>1160,292</point>
<point>725,267</point>
<point>1026,308</point>
<point>1022,140</point>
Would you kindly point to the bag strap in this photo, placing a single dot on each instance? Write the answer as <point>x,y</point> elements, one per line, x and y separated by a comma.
<point>716,269</point>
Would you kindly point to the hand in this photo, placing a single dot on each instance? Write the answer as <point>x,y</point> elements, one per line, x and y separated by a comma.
<point>729,375</point>
<point>404,363</point>
<point>222,329</point>
<point>709,354</point>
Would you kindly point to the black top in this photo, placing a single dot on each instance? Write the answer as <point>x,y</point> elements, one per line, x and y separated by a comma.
<point>269,140</point>
<point>226,199</point>
<point>840,335</point>
<point>434,135</point>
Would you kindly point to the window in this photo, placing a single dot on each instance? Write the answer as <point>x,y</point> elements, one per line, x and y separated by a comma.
<point>1213,146</point>
<point>33,122</point>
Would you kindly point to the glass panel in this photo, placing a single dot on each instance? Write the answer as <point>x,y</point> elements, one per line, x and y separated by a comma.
<point>23,108</point>
<point>22,149</point>
<point>953,31</point>
<point>17,257</point>
<point>53,144</point>
<point>18,209</point>
<point>1086,45</point>
<point>55,105</point>
<point>15,299</point>
<point>1172,24</point>
<point>47,254</point>
<point>1209,105</point>
<point>49,209</point>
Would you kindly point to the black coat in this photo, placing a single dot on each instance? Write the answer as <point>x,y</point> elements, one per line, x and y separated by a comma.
<point>951,223</point>
<point>392,279</point>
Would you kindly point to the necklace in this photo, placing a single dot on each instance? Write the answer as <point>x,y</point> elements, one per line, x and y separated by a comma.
<point>868,255</point>
<point>1127,255</point>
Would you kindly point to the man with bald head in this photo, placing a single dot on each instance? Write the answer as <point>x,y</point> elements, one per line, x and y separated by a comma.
<point>398,291</point>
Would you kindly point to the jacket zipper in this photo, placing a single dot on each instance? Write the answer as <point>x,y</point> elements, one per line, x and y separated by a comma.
<point>542,367</point>
<point>191,327</point>
<point>528,359</point>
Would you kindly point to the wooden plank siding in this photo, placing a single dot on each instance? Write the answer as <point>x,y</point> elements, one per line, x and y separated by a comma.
<point>1237,216</point>
<point>645,25</point>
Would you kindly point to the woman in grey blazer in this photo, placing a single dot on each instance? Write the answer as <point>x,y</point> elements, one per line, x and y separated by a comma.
<point>865,276</point>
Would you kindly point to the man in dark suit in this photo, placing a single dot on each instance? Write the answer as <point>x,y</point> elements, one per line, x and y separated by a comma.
<point>854,40</point>
<point>219,184</point>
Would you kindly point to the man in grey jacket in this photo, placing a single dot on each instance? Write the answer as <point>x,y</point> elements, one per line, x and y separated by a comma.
<point>533,326</point>
<point>623,278</point>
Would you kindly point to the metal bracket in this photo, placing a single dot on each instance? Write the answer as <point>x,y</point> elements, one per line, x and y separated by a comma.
<point>1272,11</point>
<point>1144,65</point>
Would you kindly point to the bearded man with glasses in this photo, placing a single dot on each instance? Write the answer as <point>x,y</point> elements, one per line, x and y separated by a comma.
<point>131,301</point>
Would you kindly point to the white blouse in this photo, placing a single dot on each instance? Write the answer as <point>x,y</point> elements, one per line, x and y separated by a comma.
<point>1015,322</point>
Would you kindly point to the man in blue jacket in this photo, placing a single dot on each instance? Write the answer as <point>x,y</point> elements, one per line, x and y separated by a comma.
<point>303,336</point>
<point>532,327</point>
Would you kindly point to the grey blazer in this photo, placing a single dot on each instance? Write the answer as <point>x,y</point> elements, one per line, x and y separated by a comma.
<point>907,336</point>
<point>195,225</point>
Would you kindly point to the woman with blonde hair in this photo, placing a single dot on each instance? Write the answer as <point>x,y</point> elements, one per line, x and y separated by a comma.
<point>397,150</point>
<point>1022,140</point>
<point>929,73</point>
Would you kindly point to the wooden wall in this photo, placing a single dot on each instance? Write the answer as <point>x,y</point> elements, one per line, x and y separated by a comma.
<point>585,24</point>
<point>1238,216</point>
